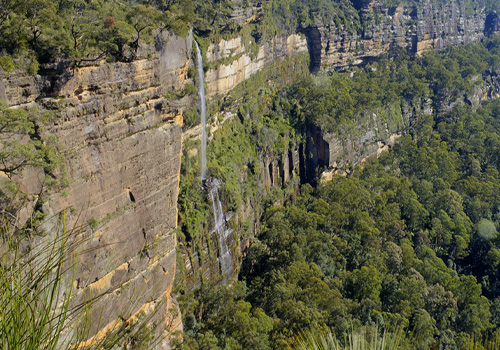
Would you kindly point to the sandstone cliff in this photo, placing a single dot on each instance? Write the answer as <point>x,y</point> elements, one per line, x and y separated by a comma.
<point>122,137</point>
<point>226,76</point>
<point>417,27</point>
<point>122,142</point>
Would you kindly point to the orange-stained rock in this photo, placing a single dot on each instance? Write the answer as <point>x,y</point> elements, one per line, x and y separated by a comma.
<point>122,144</point>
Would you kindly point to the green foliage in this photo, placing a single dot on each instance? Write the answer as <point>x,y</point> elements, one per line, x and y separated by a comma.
<point>93,223</point>
<point>30,291</point>
<point>15,126</point>
<point>486,229</point>
<point>22,143</point>
<point>407,240</point>
<point>191,73</point>
<point>91,30</point>
<point>33,67</point>
<point>6,64</point>
<point>143,19</point>
<point>82,30</point>
<point>191,118</point>
<point>228,321</point>
<point>233,151</point>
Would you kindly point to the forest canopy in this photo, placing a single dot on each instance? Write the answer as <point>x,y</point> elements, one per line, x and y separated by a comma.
<point>409,239</point>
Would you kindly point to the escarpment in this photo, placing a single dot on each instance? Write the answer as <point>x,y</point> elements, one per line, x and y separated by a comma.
<point>243,64</point>
<point>415,27</point>
<point>119,125</point>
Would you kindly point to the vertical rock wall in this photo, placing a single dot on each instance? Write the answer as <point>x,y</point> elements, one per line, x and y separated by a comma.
<point>243,64</point>
<point>122,140</point>
<point>416,27</point>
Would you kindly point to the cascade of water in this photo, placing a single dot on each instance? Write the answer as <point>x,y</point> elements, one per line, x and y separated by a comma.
<point>220,227</point>
<point>203,111</point>
<point>213,185</point>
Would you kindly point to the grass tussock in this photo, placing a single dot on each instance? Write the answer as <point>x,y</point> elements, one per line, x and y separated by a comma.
<point>365,338</point>
<point>36,307</point>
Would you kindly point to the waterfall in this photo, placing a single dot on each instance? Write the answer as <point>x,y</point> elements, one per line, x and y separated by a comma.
<point>203,111</point>
<point>220,219</point>
<point>220,227</point>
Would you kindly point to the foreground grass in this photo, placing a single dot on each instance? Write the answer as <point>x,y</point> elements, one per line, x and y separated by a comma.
<point>363,339</point>
<point>36,311</point>
<point>368,338</point>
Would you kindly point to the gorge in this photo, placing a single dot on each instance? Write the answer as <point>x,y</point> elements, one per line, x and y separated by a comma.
<point>130,139</point>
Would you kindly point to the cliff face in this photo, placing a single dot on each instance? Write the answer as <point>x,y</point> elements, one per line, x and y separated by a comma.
<point>417,28</point>
<point>122,139</point>
<point>243,64</point>
<point>373,133</point>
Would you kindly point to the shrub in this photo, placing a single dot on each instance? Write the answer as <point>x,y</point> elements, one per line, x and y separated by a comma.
<point>191,73</point>
<point>191,118</point>
<point>93,223</point>
<point>34,301</point>
<point>6,64</point>
<point>365,338</point>
<point>34,67</point>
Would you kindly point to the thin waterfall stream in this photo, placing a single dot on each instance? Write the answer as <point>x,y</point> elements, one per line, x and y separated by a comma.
<point>203,111</point>
<point>224,234</point>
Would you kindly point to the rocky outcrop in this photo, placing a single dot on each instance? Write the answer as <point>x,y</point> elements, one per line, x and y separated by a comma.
<point>416,27</point>
<point>122,143</point>
<point>376,131</point>
<point>243,63</point>
<point>339,152</point>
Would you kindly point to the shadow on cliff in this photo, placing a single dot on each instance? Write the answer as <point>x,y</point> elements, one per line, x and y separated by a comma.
<point>55,75</point>
<point>313,37</point>
<point>492,24</point>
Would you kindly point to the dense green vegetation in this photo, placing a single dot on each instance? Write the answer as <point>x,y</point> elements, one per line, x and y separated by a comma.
<point>401,83</point>
<point>365,338</point>
<point>250,135</point>
<point>34,32</point>
<point>45,30</point>
<point>408,240</point>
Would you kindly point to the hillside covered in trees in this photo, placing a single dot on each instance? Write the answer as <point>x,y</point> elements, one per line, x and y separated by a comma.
<point>408,239</point>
